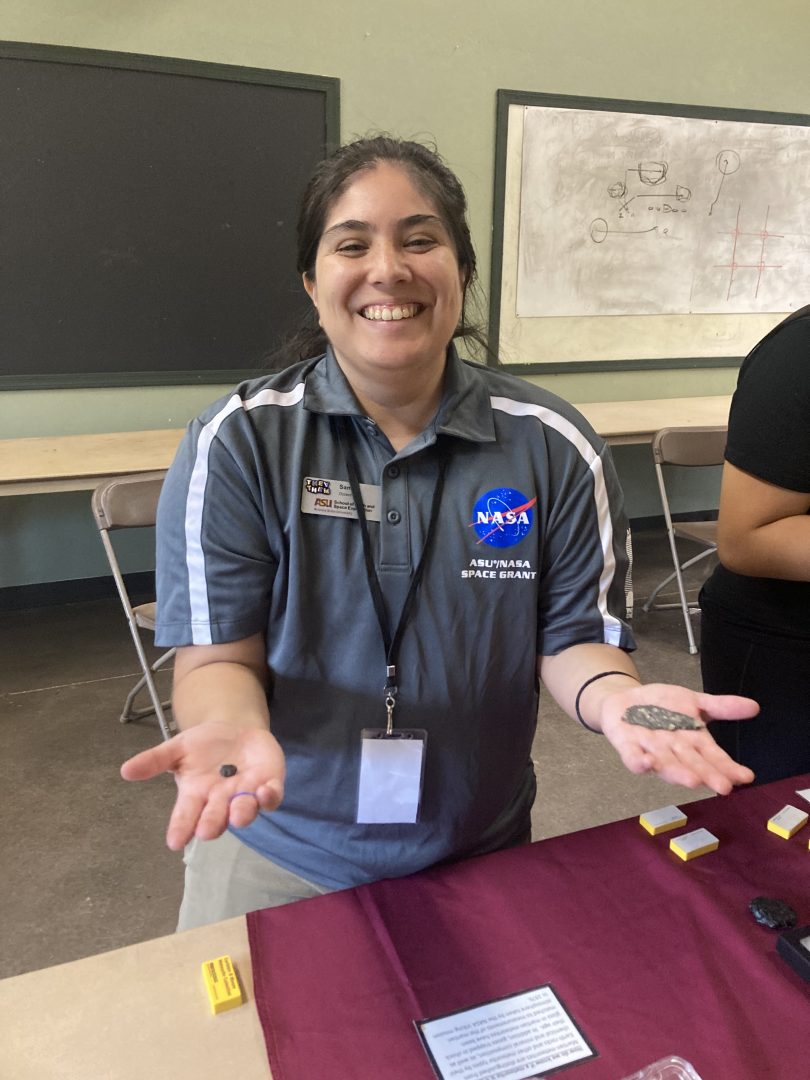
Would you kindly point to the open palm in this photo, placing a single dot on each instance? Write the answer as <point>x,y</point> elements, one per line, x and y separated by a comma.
<point>208,802</point>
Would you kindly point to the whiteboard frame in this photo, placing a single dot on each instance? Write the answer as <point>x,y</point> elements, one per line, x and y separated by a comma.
<point>517,344</point>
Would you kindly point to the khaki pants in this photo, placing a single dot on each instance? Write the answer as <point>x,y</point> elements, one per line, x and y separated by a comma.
<point>225,878</point>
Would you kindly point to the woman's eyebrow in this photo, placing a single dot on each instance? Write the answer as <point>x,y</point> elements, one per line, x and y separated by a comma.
<point>353,225</point>
<point>348,226</point>
<point>422,219</point>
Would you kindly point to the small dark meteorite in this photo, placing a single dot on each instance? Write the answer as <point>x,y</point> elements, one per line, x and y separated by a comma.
<point>773,913</point>
<point>227,770</point>
<point>654,716</point>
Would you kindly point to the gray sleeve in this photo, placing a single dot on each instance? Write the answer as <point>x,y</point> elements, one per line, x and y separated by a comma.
<point>215,567</point>
<point>584,594</point>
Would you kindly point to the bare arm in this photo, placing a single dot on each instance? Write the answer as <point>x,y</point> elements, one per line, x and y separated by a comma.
<point>221,682</point>
<point>565,673</point>
<point>763,530</point>
<point>220,706</point>
<point>690,758</point>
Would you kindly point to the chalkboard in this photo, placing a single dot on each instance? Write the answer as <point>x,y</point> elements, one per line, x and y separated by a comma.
<point>632,235</point>
<point>147,214</point>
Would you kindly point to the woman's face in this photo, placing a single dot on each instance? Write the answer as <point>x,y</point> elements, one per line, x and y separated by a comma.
<point>387,284</point>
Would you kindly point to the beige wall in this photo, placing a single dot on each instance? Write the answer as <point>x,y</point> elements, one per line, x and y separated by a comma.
<point>431,69</point>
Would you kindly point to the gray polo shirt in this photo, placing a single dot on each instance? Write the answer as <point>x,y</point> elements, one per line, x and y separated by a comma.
<point>257,533</point>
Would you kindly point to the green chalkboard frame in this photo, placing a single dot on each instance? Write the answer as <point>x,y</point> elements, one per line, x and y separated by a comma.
<point>263,98</point>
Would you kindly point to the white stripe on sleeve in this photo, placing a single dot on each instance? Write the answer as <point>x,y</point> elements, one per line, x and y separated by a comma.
<point>195,503</point>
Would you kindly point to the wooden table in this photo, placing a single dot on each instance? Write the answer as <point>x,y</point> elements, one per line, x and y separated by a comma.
<point>651,955</point>
<point>79,462</point>
<point>625,423</point>
<point>133,1013</point>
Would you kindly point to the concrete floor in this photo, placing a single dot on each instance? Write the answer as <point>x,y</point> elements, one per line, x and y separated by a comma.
<point>84,864</point>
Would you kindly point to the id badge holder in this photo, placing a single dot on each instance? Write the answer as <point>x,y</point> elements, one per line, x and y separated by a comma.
<point>392,767</point>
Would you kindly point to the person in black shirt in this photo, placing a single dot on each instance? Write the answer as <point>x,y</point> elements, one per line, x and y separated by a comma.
<point>755,608</point>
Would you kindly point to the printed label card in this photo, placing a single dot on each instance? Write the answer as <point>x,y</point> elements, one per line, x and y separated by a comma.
<point>513,1038</point>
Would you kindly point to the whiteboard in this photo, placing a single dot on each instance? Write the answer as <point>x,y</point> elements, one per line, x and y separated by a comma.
<point>637,237</point>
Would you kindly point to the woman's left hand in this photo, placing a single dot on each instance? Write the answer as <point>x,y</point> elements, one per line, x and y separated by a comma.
<point>680,756</point>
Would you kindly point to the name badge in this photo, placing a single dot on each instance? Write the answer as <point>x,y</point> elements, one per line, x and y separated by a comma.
<point>391,772</point>
<point>333,498</point>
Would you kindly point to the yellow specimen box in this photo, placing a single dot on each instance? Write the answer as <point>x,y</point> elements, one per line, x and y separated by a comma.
<point>222,984</point>
<point>658,821</point>
<point>787,822</point>
<point>692,844</point>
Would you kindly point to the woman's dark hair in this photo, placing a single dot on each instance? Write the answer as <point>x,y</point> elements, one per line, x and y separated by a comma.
<point>331,178</point>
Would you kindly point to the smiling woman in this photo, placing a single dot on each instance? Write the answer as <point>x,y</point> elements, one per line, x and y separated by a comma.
<point>342,644</point>
<point>388,290</point>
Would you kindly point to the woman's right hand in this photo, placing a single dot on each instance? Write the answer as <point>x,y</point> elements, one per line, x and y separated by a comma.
<point>208,802</point>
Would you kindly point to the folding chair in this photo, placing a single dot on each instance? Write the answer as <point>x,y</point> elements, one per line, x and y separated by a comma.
<point>685,447</point>
<point>126,502</point>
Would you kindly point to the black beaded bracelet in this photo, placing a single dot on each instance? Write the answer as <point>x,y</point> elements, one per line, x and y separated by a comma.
<point>586,684</point>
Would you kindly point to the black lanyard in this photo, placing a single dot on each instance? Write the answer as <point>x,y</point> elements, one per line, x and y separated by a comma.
<point>390,643</point>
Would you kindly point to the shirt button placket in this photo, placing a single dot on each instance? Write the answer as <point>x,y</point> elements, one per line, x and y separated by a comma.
<point>393,516</point>
<point>394,538</point>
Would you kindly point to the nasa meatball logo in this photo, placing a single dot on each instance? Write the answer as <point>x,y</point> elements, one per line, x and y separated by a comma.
<point>502,517</point>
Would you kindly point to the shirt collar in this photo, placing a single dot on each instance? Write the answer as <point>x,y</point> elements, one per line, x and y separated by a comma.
<point>465,411</point>
<point>327,389</point>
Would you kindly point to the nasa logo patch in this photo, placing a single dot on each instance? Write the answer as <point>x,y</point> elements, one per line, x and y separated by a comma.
<point>502,517</point>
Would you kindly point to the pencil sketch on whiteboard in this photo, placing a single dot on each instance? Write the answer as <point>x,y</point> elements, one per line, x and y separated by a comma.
<point>645,214</point>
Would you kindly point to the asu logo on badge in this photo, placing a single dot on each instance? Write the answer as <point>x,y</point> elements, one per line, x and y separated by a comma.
<point>502,517</point>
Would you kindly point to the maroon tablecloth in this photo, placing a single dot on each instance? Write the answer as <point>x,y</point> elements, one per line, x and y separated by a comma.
<point>651,955</point>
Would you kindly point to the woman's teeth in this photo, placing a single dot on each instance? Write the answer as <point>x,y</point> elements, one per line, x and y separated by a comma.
<point>390,314</point>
